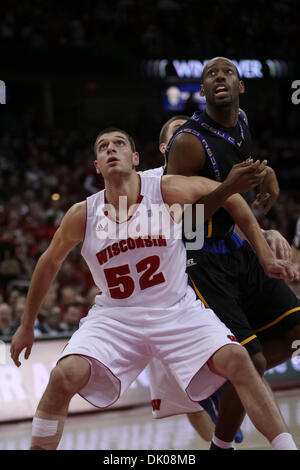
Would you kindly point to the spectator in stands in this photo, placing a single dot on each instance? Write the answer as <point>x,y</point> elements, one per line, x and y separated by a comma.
<point>51,324</point>
<point>6,319</point>
<point>71,317</point>
<point>17,311</point>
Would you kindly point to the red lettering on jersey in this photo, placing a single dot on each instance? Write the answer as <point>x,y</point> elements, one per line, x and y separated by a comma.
<point>115,249</point>
<point>162,241</point>
<point>139,242</point>
<point>123,246</point>
<point>156,404</point>
<point>148,242</point>
<point>130,244</point>
<point>232,338</point>
<point>102,256</point>
<point>109,251</point>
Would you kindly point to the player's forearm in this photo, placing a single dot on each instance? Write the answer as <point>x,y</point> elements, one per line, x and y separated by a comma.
<point>215,200</point>
<point>42,278</point>
<point>242,215</point>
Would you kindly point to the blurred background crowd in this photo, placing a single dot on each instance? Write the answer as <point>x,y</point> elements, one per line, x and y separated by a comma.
<point>72,68</point>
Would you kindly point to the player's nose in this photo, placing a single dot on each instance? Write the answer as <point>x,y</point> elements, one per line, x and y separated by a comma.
<point>111,147</point>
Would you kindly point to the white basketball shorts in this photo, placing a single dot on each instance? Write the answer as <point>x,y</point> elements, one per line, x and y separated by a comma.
<point>167,397</point>
<point>119,342</point>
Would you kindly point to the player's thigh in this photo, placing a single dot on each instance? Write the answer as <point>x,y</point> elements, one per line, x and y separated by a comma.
<point>226,305</point>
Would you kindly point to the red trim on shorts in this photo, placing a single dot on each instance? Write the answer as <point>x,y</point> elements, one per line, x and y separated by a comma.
<point>225,379</point>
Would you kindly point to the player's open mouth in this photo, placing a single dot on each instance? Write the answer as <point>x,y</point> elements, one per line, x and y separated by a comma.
<point>221,91</point>
<point>112,160</point>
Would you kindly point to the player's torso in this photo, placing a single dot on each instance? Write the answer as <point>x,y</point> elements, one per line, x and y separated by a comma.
<point>141,261</point>
<point>223,149</point>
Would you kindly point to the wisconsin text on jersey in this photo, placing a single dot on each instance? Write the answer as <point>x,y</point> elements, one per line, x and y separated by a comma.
<point>130,244</point>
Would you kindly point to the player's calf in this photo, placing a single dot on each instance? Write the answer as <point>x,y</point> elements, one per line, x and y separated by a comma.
<point>66,379</point>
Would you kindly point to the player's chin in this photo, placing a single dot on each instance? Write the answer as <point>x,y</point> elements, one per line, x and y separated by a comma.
<point>221,102</point>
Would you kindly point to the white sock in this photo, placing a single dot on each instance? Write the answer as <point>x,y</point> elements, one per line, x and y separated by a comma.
<point>284,441</point>
<point>222,444</point>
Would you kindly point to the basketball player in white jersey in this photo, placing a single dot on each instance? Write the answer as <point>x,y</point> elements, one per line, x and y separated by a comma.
<point>146,308</point>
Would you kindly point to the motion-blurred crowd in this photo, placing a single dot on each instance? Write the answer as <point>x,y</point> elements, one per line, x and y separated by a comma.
<point>44,172</point>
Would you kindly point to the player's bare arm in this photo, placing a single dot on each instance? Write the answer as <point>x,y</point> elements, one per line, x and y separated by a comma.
<point>188,190</point>
<point>239,210</point>
<point>70,233</point>
<point>269,191</point>
<point>278,244</point>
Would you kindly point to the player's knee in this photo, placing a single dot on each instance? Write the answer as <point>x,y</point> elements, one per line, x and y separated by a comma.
<point>237,362</point>
<point>260,363</point>
<point>230,361</point>
<point>68,378</point>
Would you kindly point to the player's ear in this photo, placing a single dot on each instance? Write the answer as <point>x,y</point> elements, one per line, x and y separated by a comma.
<point>136,159</point>
<point>163,148</point>
<point>202,93</point>
<point>97,167</point>
<point>242,87</point>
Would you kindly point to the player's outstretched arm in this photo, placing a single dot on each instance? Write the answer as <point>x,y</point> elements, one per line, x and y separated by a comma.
<point>243,216</point>
<point>188,190</point>
<point>69,234</point>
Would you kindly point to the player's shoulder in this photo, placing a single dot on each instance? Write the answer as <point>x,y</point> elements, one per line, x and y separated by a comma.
<point>156,172</point>
<point>76,213</point>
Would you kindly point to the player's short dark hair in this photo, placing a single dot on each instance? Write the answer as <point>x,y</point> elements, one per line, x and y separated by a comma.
<point>165,127</point>
<point>108,130</point>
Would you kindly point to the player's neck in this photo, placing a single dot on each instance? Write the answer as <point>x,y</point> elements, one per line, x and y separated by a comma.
<point>123,193</point>
<point>226,117</point>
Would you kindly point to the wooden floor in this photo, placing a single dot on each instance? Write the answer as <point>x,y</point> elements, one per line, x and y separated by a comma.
<point>135,429</point>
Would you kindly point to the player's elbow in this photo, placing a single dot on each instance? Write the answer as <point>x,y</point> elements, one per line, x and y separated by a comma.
<point>48,260</point>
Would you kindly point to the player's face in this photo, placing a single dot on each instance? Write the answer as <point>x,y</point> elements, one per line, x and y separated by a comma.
<point>173,127</point>
<point>221,83</point>
<point>114,154</point>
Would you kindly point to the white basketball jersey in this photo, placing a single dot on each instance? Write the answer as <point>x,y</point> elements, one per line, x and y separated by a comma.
<point>158,172</point>
<point>141,261</point>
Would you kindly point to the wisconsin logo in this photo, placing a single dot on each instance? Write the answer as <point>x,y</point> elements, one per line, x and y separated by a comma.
<point>156,404</point>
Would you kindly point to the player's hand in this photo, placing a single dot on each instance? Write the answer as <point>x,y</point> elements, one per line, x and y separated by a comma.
<point>246,175</point>
<point>278,244</point>
<point>22,339</point>
<point>269,191</point>
<point>281,269</point>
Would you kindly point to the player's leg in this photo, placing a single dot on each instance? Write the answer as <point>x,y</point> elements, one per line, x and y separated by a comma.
<point>234,363</point>
<point>231,410</point>
<point>68,377</point>
<point>202,424</point>
<point>228,412</point>
<point>273,310</point>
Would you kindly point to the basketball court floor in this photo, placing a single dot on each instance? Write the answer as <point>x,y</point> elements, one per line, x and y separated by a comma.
<point>135,429</point>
